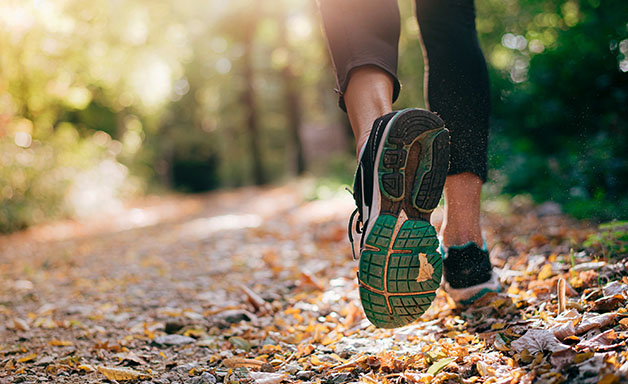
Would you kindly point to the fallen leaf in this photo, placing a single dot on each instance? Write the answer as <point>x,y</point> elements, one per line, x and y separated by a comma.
<point>609,378</point>
<point>564,330</point>
<point>439,365</point>
<point>173,340</point>
<point>602,342</point>
<point>538,340</point>
<point>60,343</point>
<point>21,324</point>
<point>26,358</point>
<point>119,374</point>
<point>546,272</point>
<point>86,368</point>
<point>426,270</point>
<point>237,362</point>
<point>592,320</point>
<point>267,377</point>
<point>260,305</point>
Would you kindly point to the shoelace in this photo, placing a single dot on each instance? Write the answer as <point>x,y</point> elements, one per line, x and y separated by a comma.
<point>357,223</point>
<point>358,228</point>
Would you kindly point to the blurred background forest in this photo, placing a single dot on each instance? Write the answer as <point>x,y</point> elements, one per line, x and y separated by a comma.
<point>104,100</point>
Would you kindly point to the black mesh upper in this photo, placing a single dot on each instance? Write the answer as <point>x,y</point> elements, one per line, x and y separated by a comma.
<point>367,165</point>
<point>467,266</point>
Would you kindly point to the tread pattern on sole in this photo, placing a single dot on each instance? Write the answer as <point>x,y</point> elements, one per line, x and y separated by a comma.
<point>389,266</point>
<point>412,169</point>
<point>416,145</point>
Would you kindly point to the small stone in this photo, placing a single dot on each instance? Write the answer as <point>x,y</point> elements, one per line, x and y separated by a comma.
<point>304,375</point>
<point>339,378</point>
<point>240,343</point>
<point>185,368</point>
<point>173,327</point>
<point>267,367</point>
<point>207,378</point>
<point>235,316</point>
<point>173,340</point>
<point>293,368</point>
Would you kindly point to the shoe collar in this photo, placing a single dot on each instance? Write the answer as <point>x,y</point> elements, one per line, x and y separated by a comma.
<point>444,249</point>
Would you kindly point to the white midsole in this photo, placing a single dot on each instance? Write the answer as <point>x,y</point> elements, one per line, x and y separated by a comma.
<point>376,203</point>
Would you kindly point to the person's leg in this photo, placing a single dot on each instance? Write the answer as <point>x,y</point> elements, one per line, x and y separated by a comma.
<point>461,222</point>
<point>403,159</point>
<point>457,89</point>
<point>368,96</point>
<point>363,38</point>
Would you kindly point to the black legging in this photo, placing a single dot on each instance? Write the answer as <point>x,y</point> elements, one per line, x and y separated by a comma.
<point>366,32</point>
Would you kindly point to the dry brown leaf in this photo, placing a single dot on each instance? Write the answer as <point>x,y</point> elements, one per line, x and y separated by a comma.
<point>267,377</point>
<point>309,280</point>
<point>260,305</point>
<point>538,340</point>
<point>237,362</point>
<point>602,342</point>
<point>426,270</point>
<point>590,321</point>
<point>119,374</point>
<point>564,330</point>
<point>353,314</point>
<point>60,343</point>
<point>21,324</point>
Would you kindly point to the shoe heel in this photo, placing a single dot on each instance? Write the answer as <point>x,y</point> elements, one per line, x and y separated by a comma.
<point>432,170</point>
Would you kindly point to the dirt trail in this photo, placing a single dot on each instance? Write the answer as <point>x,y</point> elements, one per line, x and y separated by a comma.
<point>258,285</point>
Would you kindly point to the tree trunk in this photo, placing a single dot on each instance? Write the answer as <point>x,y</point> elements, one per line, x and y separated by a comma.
<point>249,103</point>
<point>292,102</point>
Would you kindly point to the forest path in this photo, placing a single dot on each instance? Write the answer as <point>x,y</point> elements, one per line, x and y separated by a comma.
<point>186,289</point>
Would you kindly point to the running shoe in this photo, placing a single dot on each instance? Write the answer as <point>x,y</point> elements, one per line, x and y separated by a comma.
<point>469,274</point>
<point>398,183</point>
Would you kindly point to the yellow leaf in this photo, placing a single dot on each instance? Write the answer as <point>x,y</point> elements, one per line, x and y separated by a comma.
<point>609,378</point>
<point>545,272</point>
<point>120,374</point>
<point>60,343</point>
<point>498,326</point>
<point>86,368</point>
<point>270,348</point>
<point>26,358</point>
<point>580,357</point>
<point>315,360</point>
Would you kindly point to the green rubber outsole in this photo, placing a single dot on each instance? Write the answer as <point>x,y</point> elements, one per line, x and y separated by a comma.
<point>400,269</point>
<point>396,285</point>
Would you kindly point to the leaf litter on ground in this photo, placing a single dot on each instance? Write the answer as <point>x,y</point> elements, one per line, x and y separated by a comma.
<point>192,301</point>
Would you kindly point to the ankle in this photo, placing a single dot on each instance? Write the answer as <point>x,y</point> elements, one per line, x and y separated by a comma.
<point>461,237</point>
<point>361,142</point>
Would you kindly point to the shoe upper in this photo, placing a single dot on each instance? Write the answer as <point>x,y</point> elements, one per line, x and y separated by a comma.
<point>363,188</point>
<point>467,266</point>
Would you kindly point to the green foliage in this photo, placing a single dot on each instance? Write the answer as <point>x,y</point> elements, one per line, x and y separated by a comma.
<point>560,90</point>
<point>43,180</point>
<point>156,92</point>
<point>612,239</point>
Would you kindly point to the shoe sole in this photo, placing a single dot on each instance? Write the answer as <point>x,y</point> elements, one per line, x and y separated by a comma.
<point>400,269</point>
